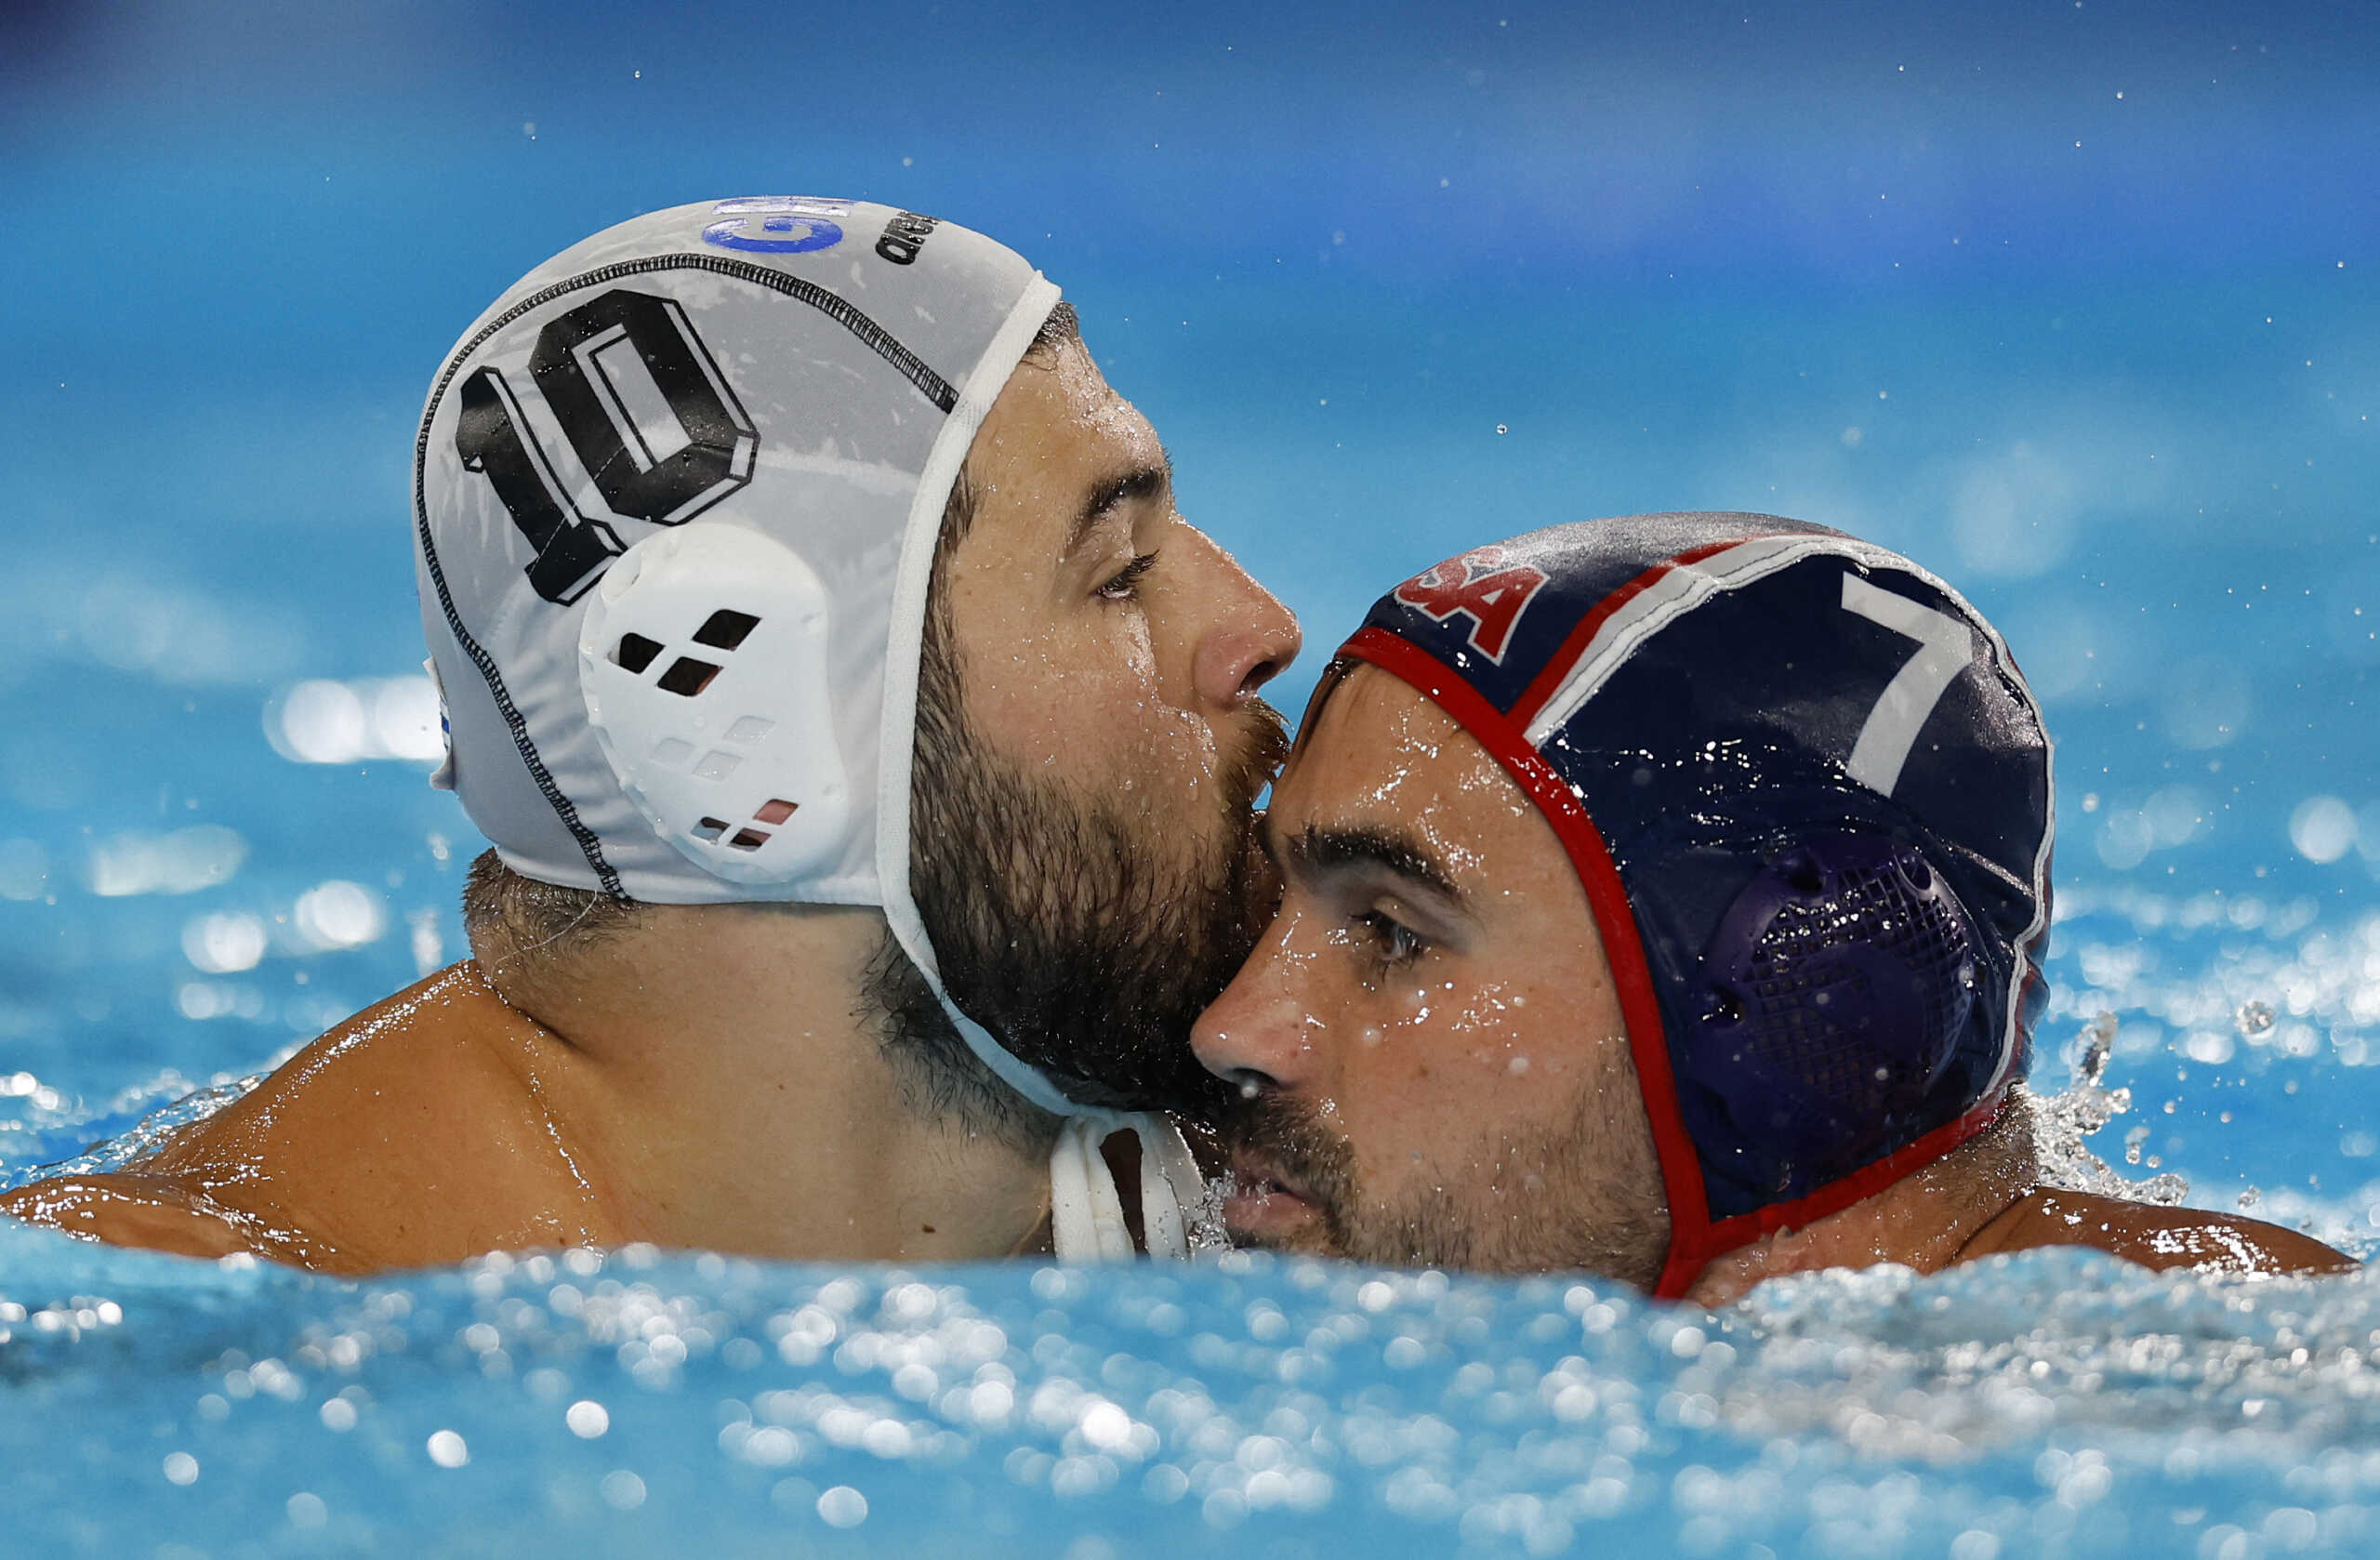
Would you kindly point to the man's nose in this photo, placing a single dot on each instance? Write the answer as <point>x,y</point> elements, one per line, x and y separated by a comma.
<point>1246,635</point>
<point>1260,1035</point>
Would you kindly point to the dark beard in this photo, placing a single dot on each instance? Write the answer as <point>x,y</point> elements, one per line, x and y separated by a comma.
<point>1083,941</point>
<point>1606,1218</point>
<point>1321,1162</point>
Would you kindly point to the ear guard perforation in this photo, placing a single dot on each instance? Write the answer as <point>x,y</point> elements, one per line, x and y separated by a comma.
<point>687,677</point>
<point>634,652</point>
<point>726,630</point>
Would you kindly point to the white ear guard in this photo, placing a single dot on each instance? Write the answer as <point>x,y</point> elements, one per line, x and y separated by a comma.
<point>702,657</point>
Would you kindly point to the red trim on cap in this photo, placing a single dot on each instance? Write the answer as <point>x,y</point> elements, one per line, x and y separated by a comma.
<point>1541,687</point>
<point>1631,977</point>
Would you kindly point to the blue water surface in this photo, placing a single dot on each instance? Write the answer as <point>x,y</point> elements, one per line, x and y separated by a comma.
<point>2071,302</point>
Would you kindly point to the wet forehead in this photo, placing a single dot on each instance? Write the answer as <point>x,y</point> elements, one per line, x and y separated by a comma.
<point>1057,431</point>
<point>1381,755</point>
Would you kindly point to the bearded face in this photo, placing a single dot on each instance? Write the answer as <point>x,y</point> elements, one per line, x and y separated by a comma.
<point>1089,751</point>
<point>1086,934</point>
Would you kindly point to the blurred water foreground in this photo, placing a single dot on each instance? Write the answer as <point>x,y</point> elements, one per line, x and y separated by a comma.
<point>2058,1403</point>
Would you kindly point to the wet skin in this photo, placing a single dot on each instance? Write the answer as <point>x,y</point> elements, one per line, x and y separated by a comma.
<point>1107,640</point>
<point>1434,993</point>
<point>710,1078</point>
<point>1978,1203</point>
<point>416,1128</point>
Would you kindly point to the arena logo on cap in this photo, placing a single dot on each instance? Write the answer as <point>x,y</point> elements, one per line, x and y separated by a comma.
<point>789,224</point>
<point>1482,586</point>
<point>905,235</point>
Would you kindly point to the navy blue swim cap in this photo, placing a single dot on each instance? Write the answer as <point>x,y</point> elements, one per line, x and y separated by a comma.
<point>1808,794</point>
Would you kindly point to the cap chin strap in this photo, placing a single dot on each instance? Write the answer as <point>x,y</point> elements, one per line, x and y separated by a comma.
<point>1086,1214</point>
<point>1086,1211</point>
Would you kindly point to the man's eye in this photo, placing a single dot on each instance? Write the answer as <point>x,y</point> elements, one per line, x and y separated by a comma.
<point>1394,943</point>
<point>1125,583</point>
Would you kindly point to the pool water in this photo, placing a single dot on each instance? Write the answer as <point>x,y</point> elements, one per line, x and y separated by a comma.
<point>2072,304</point>
<point>636,1402</point>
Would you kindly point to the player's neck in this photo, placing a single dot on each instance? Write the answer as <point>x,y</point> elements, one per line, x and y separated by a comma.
<point>1923,1221</point>
<point>727,1077</point>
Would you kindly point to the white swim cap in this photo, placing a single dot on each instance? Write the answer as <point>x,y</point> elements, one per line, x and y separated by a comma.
<point>677,497</point>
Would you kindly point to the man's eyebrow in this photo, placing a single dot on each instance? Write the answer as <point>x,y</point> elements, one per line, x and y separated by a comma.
<point>1147,480</point>
<point>1316,851</point>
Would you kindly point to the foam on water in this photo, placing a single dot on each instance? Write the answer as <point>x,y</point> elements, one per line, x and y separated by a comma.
<point>2056,1403</point>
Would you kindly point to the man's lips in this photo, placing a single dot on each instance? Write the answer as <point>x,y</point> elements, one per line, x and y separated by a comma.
<point>1265,1201</point>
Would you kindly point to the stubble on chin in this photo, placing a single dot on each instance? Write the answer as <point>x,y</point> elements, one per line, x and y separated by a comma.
<point>1548,1201</point>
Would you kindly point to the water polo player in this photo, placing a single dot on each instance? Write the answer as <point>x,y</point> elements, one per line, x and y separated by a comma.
<point>1665,899</point>
<point>867,747</point>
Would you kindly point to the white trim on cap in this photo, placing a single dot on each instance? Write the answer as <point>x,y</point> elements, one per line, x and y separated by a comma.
<point>2031,940</point>
<point>1678,592</point>
<point>902,650</point>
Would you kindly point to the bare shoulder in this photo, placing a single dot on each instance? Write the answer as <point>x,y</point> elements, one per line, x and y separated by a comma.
<point>2157,1236</point>
<point>157,1212</point>
<point>338,1161</point>
<point>330,1103</point>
